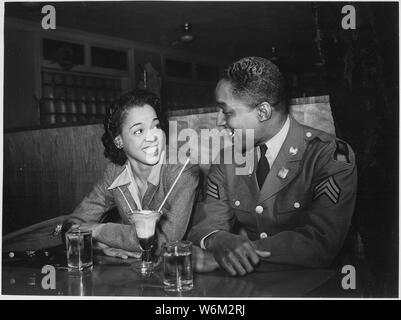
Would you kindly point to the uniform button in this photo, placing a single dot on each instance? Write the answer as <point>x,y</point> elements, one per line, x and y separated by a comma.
<point>309,134</point>
<point>263,235</point>
<point>237,203</point>
<point>296,205</point>
<point>259,209</point>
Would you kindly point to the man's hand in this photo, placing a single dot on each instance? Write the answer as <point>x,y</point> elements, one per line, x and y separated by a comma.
<point>202,260</point>
<point>115,252</point>
<point>235,253</point>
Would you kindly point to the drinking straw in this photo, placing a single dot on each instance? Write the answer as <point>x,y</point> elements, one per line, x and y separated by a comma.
<point>175,181</point>
<point>79,249</point>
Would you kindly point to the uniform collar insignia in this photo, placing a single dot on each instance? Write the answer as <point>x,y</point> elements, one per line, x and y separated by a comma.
<point>283,173</point>
<point>293,151</point>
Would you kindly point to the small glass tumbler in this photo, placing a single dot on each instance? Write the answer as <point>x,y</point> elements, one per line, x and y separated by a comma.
<point>80,283</point>
<point>177,266</point>
<point>79,249</point>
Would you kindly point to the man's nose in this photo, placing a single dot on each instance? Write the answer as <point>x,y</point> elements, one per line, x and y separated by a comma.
<point>221,119</point>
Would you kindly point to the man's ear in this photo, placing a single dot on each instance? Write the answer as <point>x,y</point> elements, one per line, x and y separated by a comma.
<point>264,111</point>
<point>118,142</point>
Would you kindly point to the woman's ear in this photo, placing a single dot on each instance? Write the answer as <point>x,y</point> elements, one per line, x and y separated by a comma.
<point>264,111</point>
<point>118,142</point>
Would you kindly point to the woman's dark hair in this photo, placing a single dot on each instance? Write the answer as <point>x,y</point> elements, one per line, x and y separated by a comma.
<point>116,114</point>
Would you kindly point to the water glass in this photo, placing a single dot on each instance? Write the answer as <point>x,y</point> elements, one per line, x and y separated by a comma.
<point>79,249</point>
<point>80,284</point>
<point>177,266</point>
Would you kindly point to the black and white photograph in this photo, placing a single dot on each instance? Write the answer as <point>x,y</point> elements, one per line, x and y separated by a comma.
<point>175,150</point>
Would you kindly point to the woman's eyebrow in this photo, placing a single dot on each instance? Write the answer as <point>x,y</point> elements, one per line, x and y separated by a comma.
<point>138,123</point>
<point>135,124</point>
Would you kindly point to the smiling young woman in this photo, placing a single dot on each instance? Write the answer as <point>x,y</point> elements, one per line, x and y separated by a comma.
<point>138,177</point>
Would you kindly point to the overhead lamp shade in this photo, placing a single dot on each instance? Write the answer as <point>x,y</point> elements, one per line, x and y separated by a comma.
<point>273,56</point>
<point>187,35</point>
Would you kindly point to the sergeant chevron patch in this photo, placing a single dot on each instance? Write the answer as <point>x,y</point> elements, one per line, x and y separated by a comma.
<point>328,187</point>
<point>213,189</point>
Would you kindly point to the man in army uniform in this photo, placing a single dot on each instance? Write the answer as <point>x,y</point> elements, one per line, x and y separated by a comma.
<point>295,205</point>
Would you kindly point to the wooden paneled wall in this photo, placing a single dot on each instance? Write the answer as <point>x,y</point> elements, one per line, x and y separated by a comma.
<point>48,172</point>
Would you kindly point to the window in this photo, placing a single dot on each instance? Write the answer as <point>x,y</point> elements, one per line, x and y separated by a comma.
<point>72,98</point>
<point>206,73</point>
<point>107,58</point>
<point>178,69</point>
<point>66,54</point>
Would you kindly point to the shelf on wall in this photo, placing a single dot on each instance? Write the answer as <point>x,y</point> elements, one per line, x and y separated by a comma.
<point>68,97</point>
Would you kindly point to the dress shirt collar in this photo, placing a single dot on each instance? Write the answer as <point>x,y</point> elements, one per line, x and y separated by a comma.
<point>124,177</point>
<point>274,144</point>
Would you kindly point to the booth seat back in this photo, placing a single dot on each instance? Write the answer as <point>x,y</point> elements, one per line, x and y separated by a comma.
<point>47,172</point>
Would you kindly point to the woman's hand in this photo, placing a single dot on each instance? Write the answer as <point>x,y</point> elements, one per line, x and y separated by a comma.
<point>94,227</point>
<point>99,246</point>
<point>115,252</point>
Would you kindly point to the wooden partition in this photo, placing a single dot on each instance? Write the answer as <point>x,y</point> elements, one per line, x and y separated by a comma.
<point>48,172</point>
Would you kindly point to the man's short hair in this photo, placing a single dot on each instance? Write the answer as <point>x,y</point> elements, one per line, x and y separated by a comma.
<point>256,80</point>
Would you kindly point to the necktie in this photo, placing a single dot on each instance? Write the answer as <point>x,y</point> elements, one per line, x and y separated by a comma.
<point>263,166</point>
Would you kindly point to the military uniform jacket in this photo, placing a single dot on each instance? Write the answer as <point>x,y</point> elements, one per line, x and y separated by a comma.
<point>304,209</point>
<point>106,194</point>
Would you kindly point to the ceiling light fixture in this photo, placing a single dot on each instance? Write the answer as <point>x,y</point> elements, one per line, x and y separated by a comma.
<point>273,55</point>
<point>187,35</point>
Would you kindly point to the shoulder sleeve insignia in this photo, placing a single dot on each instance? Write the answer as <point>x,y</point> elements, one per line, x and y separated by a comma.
<point>328,188</point>
<point>212,189</point>
<point>342,152</point>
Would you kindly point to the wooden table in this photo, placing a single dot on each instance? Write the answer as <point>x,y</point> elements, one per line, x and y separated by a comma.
<point>115,277</point>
